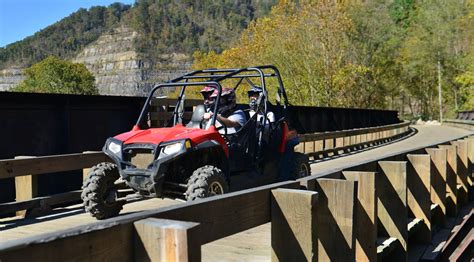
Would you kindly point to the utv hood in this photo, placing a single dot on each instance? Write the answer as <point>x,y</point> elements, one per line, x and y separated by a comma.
<point>158,135</point>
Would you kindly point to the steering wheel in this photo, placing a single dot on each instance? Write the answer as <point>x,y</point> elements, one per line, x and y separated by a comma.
<point>223,126</point>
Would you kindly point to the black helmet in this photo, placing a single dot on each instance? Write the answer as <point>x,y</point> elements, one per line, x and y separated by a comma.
<point>253,100</point>
<point>227,101</point>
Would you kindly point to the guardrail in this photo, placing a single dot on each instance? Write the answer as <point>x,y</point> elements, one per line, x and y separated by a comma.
<point>26,169</point>
<point>322,144</point>
<point>331,216</point>
<point>465,124</point>
<point>466,115</point>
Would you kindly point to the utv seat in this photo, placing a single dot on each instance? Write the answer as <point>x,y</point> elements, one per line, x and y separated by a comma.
<point>197,116</point>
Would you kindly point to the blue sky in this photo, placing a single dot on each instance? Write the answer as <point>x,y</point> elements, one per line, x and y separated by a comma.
<point>22,18</point>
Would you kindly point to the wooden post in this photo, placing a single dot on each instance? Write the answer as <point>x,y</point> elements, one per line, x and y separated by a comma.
<point>347,141</point>
<point>166,240</point>
<point>318,145</point>
<point>451,180</point>
<point>470,151</point>
<point>328,144</point>
<point>439,168</point>
<point>366,214</point>
<point>419,195</point>
<point>337,200</point>
<point>309,147</point>
<point>392,205</point>
<point>353,140</point>
<point>462,165</point>
<point>26,188</point>
<point>293,226</point>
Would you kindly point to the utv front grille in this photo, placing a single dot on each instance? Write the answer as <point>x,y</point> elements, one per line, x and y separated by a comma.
<point>140,158</point>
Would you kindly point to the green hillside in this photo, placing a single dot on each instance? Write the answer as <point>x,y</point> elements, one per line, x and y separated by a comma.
<point>165,26</point>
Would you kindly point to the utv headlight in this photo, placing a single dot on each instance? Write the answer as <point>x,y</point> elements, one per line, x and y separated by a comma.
<point>173,148</point>
<point>114,148</point>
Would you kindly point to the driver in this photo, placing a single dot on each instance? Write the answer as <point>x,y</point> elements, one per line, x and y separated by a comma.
<point>206,93</point>
<point>231,117</point>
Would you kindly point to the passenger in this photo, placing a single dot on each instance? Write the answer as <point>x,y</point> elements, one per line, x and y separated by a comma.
<point>232,118</point>
<point>254,95</point>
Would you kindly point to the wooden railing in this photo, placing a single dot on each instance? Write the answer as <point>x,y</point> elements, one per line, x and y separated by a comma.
<point>332,216</point>
<point>465,124</point>
<point>323,144</point>
<point>26,169</point>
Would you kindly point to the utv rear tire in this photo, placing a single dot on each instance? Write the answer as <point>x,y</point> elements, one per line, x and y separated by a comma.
<point>99,193</point>
<point>301,166</point>
<point>206,181</point>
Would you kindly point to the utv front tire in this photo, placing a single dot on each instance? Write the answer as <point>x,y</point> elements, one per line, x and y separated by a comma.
<point>206,181</point>
<point>301,166</point>
<point>99,193</point>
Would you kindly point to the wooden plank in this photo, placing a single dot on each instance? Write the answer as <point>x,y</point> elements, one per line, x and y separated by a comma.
<point>470,151</point>
<point>462,169</point>
<point>385,246</point>
<point>308,147</point>
<point>337,201</point>
<point>318,145</point>
<point>49,164</point>
<point>392,204</point>
<point>26,187</point>
<point>108,244</point>
<point>414,225</point>
<point>328,144</point>
<point>451,180</point>
<point>40,202</point>
<point>439,169</point>
<point>419,194</point>
<point>293,227</point>
<point>219,216</point>
<point>366,214</point>
<point>166,240</point>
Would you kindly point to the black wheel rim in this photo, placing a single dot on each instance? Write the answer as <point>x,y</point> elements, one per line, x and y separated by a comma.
<point>215,188</point>
<point>303,171</point>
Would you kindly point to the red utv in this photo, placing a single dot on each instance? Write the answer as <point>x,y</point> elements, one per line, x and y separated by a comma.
<point>192,159</point>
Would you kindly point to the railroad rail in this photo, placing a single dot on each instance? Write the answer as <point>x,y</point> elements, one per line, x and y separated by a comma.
<point>25,169</point>
<point>369,211</point>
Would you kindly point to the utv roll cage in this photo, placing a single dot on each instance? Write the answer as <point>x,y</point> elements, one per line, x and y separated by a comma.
<point>214,77</point>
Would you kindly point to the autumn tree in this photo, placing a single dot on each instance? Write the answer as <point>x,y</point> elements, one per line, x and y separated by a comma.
<point>310,43</point>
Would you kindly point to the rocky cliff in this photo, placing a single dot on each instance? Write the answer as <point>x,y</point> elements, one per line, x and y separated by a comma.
<point>120,70</point>
<point>117,67</point>
<point>10,78</point>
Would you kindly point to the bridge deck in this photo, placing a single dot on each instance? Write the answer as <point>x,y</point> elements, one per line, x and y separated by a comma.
<point>253,244</point>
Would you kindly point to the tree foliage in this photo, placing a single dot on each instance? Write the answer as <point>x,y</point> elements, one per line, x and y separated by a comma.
<point>310,42</point>
<point>374,54</point>
<point>186,26</point>
<point>53,75</point>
